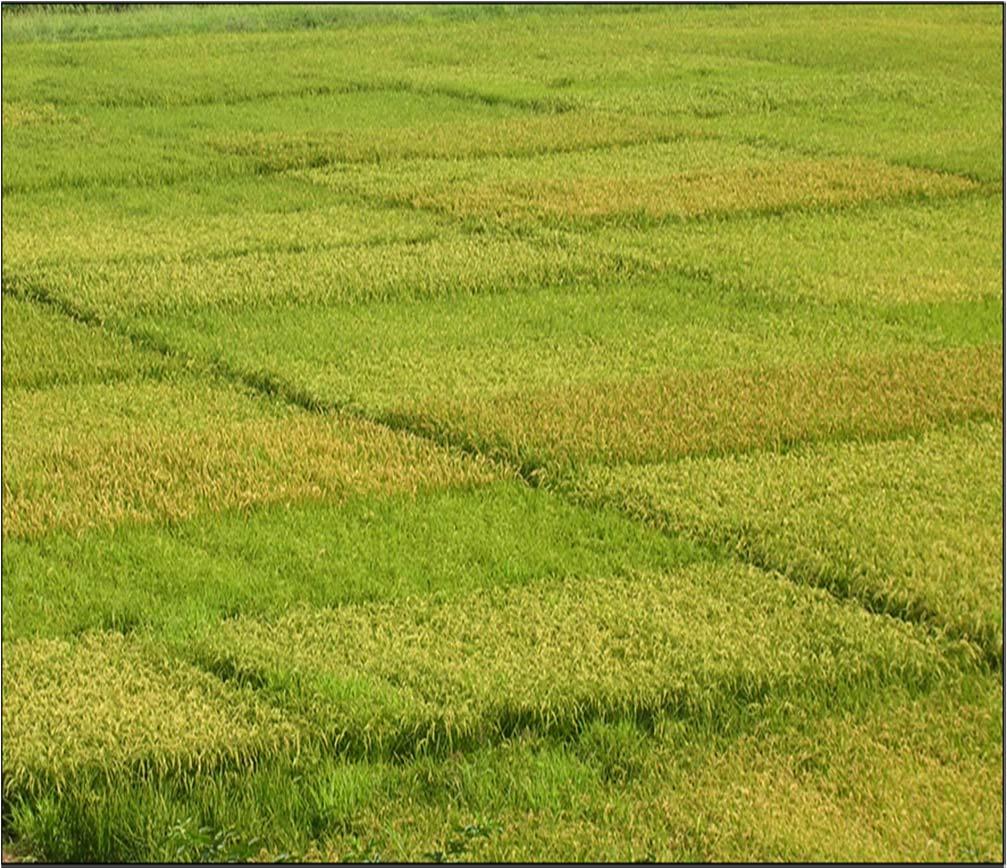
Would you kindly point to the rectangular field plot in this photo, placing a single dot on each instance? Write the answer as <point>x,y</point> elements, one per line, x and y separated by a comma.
<point>261,562</point>
<point>452,263</point>
<point>689,178</point>
<point>912,527</point>
<point>97,455</point>
<point>914,252</point>
<point>423,674</point>
<point>83,146</point>
<point>104,703</point>
<point>513,134</point>
<point>518,344</point>
<point>204,221</point>
<point>726,410</point>
<point>145,131</point>
<point>774,780</point>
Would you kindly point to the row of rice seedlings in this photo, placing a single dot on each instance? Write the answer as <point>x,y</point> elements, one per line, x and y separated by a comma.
<point>444,543</point>
<point>913,527</point>
<point>510,136</point>
<point>798,183</point>
<point>94,456</point>
<point>42,347</point>
<point>276,214</point>
<point>724,410</point>
<point>427,675</point>
<point>105,703</point>
<point>450,264</point>
<point>841,256</point>
<point>893,776</point>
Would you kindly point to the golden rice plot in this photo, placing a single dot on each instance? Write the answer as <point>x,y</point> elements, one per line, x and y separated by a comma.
<point>805,183</point>
<point>912,527</point>
<point>716,411</point>
<point>106,702</point>
<point>94,456</point>
<point>451,264</point>
<point>425,673</point>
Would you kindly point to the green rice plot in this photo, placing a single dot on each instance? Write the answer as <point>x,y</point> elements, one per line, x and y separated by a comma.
<point>431,675</point>
<point>956,139</point>
<point>445,543</point>
<point>73,153</point>
<point>42,347</point>
<point>86,146</point>
<point>911,527</point>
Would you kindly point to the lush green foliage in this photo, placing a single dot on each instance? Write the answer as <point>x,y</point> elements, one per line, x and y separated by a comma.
<point>261,561</point>
<point>42,348</point>
<point>505,433</point>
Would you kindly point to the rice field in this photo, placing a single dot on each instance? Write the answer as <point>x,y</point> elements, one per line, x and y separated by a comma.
<point>502,433</point>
